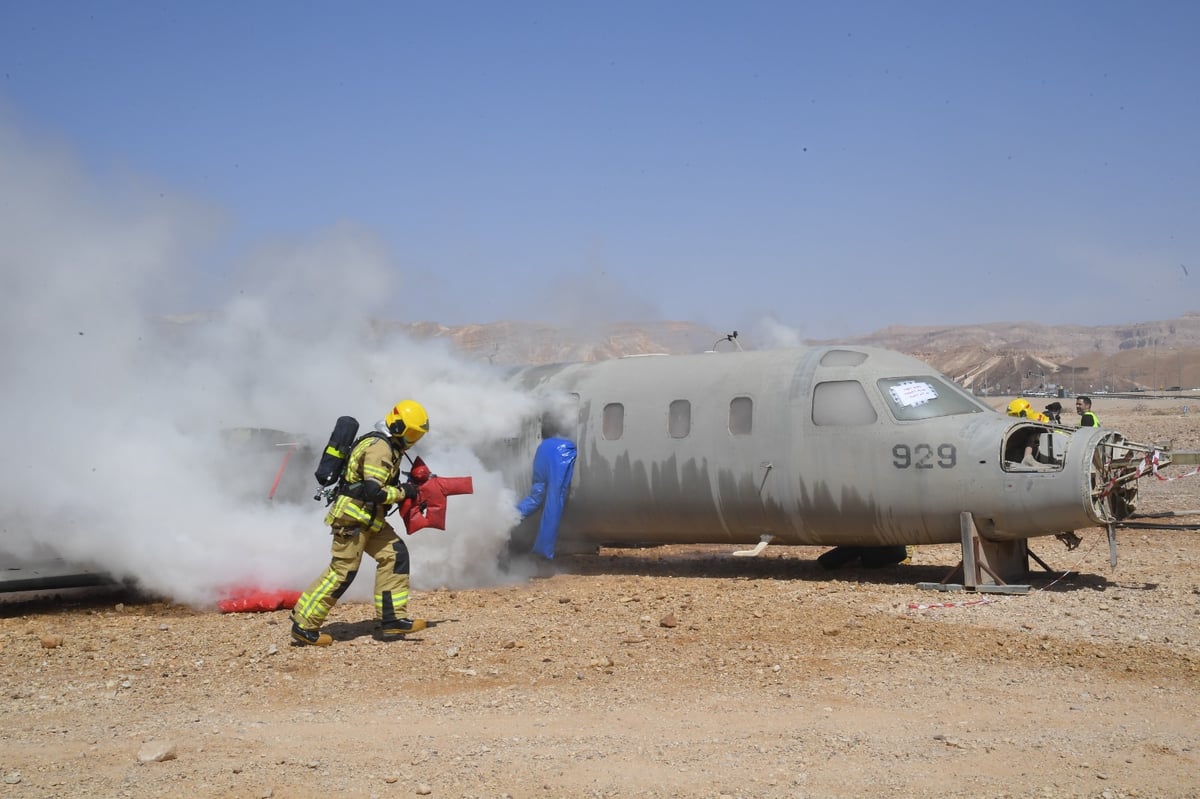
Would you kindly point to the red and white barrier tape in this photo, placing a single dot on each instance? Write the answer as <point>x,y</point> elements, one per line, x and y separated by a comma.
<point>1149,465</point>
<point>936,605</point>
<point>1151,462</point>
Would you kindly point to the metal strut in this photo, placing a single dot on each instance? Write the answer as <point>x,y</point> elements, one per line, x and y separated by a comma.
<point>763,540</point>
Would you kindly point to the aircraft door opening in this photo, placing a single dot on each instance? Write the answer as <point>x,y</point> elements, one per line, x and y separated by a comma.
<point>569,421</point>
<point>742,483</point>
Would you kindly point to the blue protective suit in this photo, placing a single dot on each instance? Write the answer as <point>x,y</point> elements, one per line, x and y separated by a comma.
<point>553,465</point>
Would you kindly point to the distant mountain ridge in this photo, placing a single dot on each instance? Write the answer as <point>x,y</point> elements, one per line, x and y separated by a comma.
<point>1019,357</point>
<point>1061,342</point>
<point>997,357</point>
<point>520,343</point>
<point>992,358</point>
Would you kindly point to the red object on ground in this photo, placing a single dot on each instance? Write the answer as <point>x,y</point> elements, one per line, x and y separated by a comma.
<point>255,600</point>
<point>429,508</point>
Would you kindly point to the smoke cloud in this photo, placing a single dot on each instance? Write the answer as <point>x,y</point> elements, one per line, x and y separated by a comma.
<point>774,334</point>
<point>121,392</point>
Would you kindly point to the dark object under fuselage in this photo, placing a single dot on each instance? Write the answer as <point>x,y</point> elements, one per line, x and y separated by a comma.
<point>871,557</point>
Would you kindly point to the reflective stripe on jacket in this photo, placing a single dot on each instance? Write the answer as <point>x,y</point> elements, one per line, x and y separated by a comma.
<point>372,458</point>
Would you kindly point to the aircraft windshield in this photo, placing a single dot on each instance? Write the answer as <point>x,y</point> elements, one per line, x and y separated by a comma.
<point>925,397</point>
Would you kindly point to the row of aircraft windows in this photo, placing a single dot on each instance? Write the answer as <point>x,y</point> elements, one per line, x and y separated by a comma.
<point>679,418</point>
<point>842,402</point>
<point>834,403</point>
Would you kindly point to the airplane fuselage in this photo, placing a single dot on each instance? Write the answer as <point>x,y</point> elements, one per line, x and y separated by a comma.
<point>836,445</point>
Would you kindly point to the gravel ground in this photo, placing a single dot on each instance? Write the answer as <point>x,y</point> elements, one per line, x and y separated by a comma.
<point>661,672</point>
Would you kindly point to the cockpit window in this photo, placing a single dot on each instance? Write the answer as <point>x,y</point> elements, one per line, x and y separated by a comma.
<point>925,397</point>
<point>842,402</point>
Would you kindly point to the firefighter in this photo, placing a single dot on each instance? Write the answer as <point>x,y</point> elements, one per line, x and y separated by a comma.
<point>369,488</point>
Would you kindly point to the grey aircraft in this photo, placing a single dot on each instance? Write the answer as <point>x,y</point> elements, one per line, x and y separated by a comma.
<point>841,446</point>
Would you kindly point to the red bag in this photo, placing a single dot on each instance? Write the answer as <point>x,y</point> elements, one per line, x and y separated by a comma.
<point>254,600</point>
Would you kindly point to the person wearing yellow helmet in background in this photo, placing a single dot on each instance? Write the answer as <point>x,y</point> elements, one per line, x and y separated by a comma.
<point>1022,408</point>
<point>369,489</point>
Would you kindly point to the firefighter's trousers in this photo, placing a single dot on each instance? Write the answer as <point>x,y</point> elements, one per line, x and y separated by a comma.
<point>391,575</point>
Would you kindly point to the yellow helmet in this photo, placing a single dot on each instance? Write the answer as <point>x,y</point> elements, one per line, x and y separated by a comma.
<point>1019,407</point>
<point>408,420</point>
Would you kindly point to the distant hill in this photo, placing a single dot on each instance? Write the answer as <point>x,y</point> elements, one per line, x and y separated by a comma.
<point>994,358</point>
<point>998,357</point>
<point>1061,342</point>
<point>1016,357</point>
<point>519,343</point>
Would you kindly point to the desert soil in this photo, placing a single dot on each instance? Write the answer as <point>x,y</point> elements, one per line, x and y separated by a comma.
<point>659,672</point>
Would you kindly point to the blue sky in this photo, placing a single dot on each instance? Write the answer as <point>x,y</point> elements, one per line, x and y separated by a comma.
<point>834,167</point>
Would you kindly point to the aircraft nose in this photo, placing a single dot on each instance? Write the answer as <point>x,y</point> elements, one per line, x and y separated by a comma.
<point>1116,466</point>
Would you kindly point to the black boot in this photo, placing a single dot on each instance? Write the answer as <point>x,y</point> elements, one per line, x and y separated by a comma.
<point>401,627</point>
<point>310,637</point>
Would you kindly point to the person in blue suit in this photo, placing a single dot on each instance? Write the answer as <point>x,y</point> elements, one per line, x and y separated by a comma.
<point>553,465</point>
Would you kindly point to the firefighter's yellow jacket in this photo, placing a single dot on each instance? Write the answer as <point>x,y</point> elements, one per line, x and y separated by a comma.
<point>372,458</point>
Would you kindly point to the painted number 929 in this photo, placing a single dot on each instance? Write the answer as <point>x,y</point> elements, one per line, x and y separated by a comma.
<point>924,456</point>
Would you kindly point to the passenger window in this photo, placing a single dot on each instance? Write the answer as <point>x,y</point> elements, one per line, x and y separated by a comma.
<point>842,402</point>
<point>679,419</point>
<point>614,421</point>
<point>741,416</point>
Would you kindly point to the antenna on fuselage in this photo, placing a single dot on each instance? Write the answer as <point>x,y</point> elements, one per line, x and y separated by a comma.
<point>731,337</point>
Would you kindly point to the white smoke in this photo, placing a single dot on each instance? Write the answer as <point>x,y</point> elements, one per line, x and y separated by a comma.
<point>114,414</point>
<point>773,334</point>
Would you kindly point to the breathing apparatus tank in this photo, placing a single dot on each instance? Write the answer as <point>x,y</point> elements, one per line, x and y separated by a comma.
<point>333,459</point>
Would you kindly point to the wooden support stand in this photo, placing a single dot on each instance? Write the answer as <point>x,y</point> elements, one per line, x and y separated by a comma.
<point>983,562</point>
